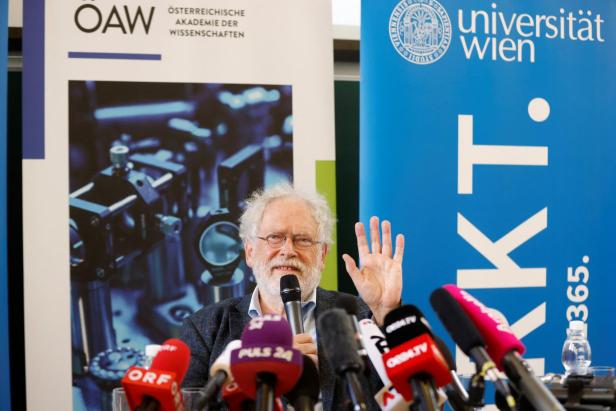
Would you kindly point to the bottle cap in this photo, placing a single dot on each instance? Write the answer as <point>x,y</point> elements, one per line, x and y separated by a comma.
<point>151,350</point>
<point>577,325</point>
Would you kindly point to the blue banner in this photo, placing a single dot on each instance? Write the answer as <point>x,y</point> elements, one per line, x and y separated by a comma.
<point>5,383</point>
<point>487,137</point>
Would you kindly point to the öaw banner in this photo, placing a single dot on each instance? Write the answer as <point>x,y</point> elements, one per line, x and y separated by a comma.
<point>487,137</point>
<point>147,126</point>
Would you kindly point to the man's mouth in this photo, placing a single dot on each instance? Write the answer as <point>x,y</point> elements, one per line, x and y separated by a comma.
<point>286,268</point>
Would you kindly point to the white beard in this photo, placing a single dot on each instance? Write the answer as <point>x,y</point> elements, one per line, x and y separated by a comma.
<point>309,277</point>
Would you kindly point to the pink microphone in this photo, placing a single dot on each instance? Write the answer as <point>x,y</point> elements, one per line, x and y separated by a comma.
<point>498,336</point>
<point>505,349</point>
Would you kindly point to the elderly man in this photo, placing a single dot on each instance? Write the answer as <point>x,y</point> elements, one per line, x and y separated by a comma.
<point>286,231</point>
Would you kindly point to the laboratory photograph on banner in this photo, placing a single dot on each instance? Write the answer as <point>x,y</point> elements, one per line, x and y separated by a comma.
<point>147,128</point>
<point>159,174</point>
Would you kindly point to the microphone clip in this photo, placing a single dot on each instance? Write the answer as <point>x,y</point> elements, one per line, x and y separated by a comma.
<point>476,390</point>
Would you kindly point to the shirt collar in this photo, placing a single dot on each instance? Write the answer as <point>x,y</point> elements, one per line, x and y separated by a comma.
<point>254,310</point>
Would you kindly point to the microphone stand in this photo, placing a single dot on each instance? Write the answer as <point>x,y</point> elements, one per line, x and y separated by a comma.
<point>355,391</point>
<point>424,398</point>
<point>265,392</point>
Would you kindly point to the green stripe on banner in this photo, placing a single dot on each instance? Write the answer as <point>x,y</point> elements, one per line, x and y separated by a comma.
<point>326,185</point>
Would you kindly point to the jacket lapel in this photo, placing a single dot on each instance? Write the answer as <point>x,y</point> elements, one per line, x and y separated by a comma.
<point>239,317</point>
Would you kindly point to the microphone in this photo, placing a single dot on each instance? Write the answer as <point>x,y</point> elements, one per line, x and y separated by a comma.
<point>456,393</point>
<point>506,350</point>
<point>291,295</point>
<point>468,338</point>
<point>414,363</point>
<point>159,386</point>
<point>349,304</point>
<point>220,373</point>
<point>375,344</point>
<point>305,394</point>
<point>236,400</point>
<point>266,365</point>
<point>340,348</point>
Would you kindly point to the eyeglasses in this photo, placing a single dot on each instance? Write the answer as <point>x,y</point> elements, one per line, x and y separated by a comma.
<point>300,242</point>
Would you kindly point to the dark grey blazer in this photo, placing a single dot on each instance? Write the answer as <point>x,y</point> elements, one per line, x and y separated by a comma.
<point>208,331</point>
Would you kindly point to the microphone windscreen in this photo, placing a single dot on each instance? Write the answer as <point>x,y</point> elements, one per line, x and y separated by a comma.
<point>348,303</point>
<point>455,320</point>
<point>375,345</point>
<point>267,329</point>
<point>173,356</point>
<point>290,289</point>
<point>442,347</point>
<point>338,340</point>
<point>415,357</point>
<point>308,383</point>
<point>267,348</point>
<point>223,362</point>
<point>499,338</point>
<point>404,323</point>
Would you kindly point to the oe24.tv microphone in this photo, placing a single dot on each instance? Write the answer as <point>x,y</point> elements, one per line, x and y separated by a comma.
<point>414,363</point>
<point>468,338</point>
<point>267,365</point>
<point>340,347</point>
<point>505,349</point>
<point>220,373</point>
<point>159,387</point>
<point>291,295</point>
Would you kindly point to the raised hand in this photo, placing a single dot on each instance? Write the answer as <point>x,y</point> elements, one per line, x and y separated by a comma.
<point>379,278</point>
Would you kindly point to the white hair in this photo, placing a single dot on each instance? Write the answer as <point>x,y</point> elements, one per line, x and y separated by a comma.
<point>258,201</point>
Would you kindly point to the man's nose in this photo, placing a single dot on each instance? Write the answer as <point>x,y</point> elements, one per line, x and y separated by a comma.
<point>287,247</point>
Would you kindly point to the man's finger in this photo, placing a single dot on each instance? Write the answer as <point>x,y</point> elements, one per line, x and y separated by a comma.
<point>314,358</point>
<point>386,226</point>
<point>351,267</point>
<point>362,242</point>
<point>399,248</point>
<point>310,348</point>
<point>375,237</point>
<point>302,338</point>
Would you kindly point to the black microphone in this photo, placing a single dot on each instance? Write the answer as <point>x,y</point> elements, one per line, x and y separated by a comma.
<point>468,338</point>
<point>291,295</point>
<point>340,348</point>
<point>305,394</point>
<point>413,359</point>
<point>349,304</point>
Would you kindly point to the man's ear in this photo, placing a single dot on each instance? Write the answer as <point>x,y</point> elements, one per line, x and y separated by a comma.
<point>249,252</point>
<point>324,252</point>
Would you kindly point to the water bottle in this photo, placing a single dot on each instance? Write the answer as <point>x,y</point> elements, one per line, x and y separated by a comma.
<point>576,350</point>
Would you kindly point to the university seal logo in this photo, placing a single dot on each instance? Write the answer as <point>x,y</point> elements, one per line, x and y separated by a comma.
<point>420,30</point>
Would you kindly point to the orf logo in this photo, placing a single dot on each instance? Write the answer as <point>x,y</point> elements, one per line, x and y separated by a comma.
<point>420,30</point>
